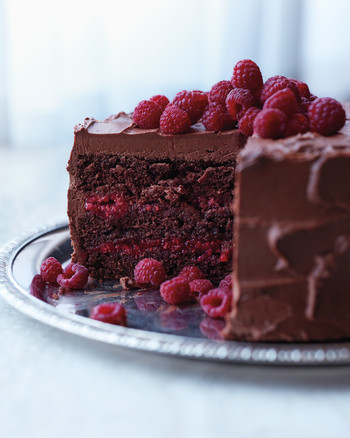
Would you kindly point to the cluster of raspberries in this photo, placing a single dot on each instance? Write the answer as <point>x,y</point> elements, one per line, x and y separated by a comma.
<point>277,108</point>
<point>73,276</point>
<point>189,285</point>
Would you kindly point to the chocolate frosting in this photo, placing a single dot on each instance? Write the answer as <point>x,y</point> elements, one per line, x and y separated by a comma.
<point>292,229</point>
<point>119,135</point>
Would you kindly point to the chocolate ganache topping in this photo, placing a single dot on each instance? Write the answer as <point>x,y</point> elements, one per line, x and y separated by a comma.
<point>292,229</point>
<point>119,135</point>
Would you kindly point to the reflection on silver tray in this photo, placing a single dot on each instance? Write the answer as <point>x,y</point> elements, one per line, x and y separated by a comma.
<point>152,325</point>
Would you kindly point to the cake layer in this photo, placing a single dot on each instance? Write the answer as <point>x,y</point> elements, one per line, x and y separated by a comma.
<point>137,193</point>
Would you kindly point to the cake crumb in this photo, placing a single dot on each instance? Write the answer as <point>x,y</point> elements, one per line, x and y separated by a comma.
<point>127,283</point>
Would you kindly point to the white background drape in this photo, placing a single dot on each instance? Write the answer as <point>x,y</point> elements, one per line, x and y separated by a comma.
<point>63,61</point>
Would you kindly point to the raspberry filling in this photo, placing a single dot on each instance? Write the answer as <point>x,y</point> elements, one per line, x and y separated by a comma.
<point>114,205</point>
<point>201,249</point>
<point>108,205</point>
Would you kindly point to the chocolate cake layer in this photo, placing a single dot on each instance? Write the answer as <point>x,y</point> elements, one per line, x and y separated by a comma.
<point>136,193</point>
<point>292,234</point>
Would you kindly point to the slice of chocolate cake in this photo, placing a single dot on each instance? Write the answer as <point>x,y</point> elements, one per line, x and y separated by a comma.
<point>137,193</point>
<point>292,239</point>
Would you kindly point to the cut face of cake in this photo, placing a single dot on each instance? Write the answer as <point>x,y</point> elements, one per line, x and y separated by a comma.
<point>137,193</point>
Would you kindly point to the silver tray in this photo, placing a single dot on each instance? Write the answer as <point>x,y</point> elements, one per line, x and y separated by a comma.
<point>153,326</point>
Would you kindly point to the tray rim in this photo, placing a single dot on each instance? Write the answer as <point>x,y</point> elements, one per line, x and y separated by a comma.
<point>287,354</point>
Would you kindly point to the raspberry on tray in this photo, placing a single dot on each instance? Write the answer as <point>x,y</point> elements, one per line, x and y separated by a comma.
<point>175,291</point>
<point>50,269</point>
<point>217,302</point>
<point>149,272</point>
<point>74,276</point>
<point>37,287</point>
<point>201,286</point>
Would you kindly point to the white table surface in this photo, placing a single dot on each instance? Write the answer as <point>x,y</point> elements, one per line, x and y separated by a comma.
<point>53,384</point>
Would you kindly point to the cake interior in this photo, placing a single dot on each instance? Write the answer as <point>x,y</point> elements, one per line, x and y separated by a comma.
<point>176,211</point>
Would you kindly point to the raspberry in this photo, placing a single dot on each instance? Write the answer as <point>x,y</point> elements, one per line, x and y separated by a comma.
<point>270,123</point>
<point>217,302</point>
<point>296,124</point>
<point>216,118</point>
<point>283,100</point>
<point>147,114</point>
<point>74,276</point>
<point>238,101</point>
<point>113,313</point>
<point>175,291</point>
<point>326,116</point>
<point>201,286</point>
<point>49,269</point>
<point>303,88</point>
<point>276,83</point>
<point>219,92</point>
<point>37,287</point>
<point>245,124</point>
<point>246,74</point>
<point>149,271</point>
<point>226,282</point>
<point>191,273</point>
<point>193,102</point>
<point>174,120</point>
<point>304,104</point>
<point>160,100</point>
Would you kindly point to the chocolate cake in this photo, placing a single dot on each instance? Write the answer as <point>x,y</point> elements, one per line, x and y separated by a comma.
<point>292,239</point>
<point>137,193</point>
